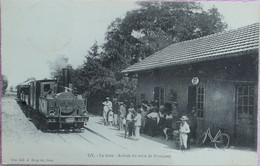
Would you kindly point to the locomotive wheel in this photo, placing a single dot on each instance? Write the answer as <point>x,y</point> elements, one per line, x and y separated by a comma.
<point>43,126</point>
<point>80,125</point>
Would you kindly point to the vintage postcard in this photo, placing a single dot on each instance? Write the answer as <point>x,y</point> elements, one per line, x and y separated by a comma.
<point>123,82</point>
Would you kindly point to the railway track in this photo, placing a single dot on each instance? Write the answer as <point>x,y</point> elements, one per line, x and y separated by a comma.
<point>87,136</point>
<point>98,134</point>
<point>86,139</point>
<point>96,139</point>
<point>70,138</point>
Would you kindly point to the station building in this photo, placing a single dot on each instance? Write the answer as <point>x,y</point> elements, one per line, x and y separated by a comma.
<point>217,74</point>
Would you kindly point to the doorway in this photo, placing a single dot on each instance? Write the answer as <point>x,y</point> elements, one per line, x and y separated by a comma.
<point>191,97</point>
<point>196,96</point>
<point>246,115</point>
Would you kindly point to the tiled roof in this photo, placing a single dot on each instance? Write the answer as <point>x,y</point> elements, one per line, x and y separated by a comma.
<point>205,48</point>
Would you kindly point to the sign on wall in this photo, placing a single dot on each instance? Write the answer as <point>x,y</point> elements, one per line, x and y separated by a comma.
<point>195,80</point>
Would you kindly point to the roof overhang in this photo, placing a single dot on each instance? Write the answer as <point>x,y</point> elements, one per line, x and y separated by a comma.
<point>197,60</point>
<point>228,44</point>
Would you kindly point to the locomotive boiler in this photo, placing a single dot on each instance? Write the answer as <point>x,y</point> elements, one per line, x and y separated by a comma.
<point>53,103</point>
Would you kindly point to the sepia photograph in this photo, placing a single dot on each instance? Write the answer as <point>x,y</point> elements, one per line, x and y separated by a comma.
<point>128,82</point>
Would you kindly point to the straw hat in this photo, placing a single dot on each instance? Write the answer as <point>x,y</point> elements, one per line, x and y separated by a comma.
<point>184,118</point>
<point>131,110</point>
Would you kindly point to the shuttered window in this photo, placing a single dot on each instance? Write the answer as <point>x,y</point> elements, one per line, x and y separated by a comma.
<point>245,100</point>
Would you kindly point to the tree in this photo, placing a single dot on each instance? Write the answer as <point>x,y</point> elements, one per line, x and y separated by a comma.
<point>153,26</point>
<point>4,84</point>
<point>92,77</point>
<point>142,32</point>
<point>159,25</point>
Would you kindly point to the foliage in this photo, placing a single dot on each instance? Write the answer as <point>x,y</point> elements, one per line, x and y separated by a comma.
<point>92,78</point>
<point>4,84</point>
<point>143,31</point>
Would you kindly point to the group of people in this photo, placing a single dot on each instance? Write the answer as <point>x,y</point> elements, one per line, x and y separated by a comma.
<point>109,115</point>
<point>127,117</point>
<point>150,119</point>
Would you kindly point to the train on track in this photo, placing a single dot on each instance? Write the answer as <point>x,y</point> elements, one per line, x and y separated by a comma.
<point>52,103</point>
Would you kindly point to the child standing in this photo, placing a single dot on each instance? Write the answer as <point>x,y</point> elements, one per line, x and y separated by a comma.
<point>184,130</point>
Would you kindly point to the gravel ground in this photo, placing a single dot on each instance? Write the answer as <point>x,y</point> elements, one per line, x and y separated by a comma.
<point>22,143</point>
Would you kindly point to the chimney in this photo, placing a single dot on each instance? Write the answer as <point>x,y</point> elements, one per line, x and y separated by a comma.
<point>66,77</point>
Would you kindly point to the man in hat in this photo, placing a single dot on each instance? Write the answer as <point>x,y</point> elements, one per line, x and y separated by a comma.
<point>107,107</point>
<point>184,130</point>
<point>130,123</point>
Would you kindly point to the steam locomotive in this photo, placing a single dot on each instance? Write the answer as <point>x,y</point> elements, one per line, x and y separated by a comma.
<point>52,102</point>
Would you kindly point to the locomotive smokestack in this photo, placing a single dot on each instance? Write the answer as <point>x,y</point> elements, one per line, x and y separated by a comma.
<point>64,80</point>
<point>66,77</point>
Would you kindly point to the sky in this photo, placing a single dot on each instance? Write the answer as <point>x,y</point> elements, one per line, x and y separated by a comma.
<point>35,33</point>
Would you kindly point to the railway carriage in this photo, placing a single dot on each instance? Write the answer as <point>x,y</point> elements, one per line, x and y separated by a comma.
<point>23,93</point>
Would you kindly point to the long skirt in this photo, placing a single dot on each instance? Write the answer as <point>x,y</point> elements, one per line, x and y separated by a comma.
<point>152,126</point>
<point>105,117</point>
<point>115,119</point>
<point>137,132</point>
